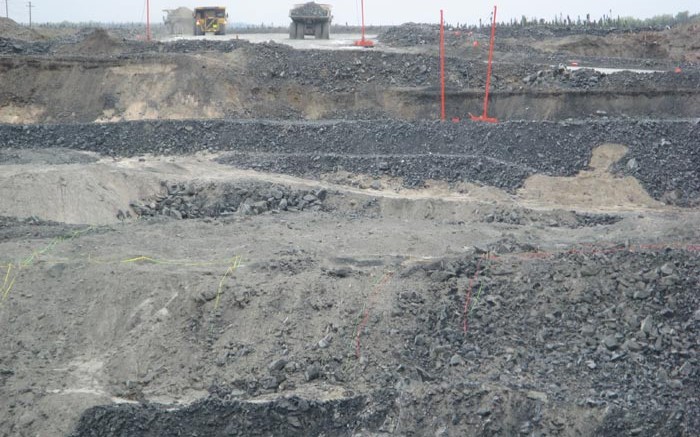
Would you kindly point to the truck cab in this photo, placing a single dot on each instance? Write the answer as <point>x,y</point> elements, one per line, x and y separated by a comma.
<point>210,19</point>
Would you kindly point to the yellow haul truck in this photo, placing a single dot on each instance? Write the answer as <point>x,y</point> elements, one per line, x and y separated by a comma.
<point>210,19</point>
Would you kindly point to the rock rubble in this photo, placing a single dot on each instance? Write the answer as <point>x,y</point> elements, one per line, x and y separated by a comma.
<point>190,201</point>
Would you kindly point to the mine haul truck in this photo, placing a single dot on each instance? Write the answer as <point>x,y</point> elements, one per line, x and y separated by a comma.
<point>178,21</point>
<point>310,19</point>
<point>210,19</point>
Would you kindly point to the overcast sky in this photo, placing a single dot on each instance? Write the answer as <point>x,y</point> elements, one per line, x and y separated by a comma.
<point>377,11</point>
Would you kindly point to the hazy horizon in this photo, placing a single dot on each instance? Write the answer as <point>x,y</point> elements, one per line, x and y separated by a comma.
<point>377,12</point>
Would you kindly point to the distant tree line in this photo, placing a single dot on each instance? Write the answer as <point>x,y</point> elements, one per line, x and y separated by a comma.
<point>606,21</point>
<point>89,24</point>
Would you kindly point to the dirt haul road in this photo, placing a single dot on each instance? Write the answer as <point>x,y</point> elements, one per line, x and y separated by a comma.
<point>324,259</point>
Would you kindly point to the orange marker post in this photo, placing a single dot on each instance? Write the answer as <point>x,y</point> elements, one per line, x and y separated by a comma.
<point>484,116</point>
<point>148,20</point>
<point>442,66</point>
<point>364,42</point>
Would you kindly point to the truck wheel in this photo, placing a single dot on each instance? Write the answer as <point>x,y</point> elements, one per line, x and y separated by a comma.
<point>222,30</point>
<point>318,30</point>
<point>293,31</point>
<point>326,31</point>
<point>301,30</point>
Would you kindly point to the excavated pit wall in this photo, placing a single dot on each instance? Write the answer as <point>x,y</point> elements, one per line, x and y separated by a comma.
<point>130,80</point>
<point>663,155</point>
<point>556,105</point>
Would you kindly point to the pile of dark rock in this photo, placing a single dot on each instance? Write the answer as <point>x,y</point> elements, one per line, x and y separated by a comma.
<point>10,46</point>
<point>414,170</point>
<point>344,70</point>
<point>12,228</point>
<point>562,76</point>
<point>91,42</point>
<point>190,200</point>
<point>588,220</point>
<point>411,34</point>
<point>221,415</point>
<point>603,329</point>
<point>201,45</point>
<point>525,216</point>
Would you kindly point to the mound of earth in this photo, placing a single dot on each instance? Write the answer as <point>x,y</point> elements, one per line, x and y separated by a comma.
<point>680,44</point>
<point>11,29</point>
<point>411,34</point>
<point>96,42</point>
<point>686,41</point>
